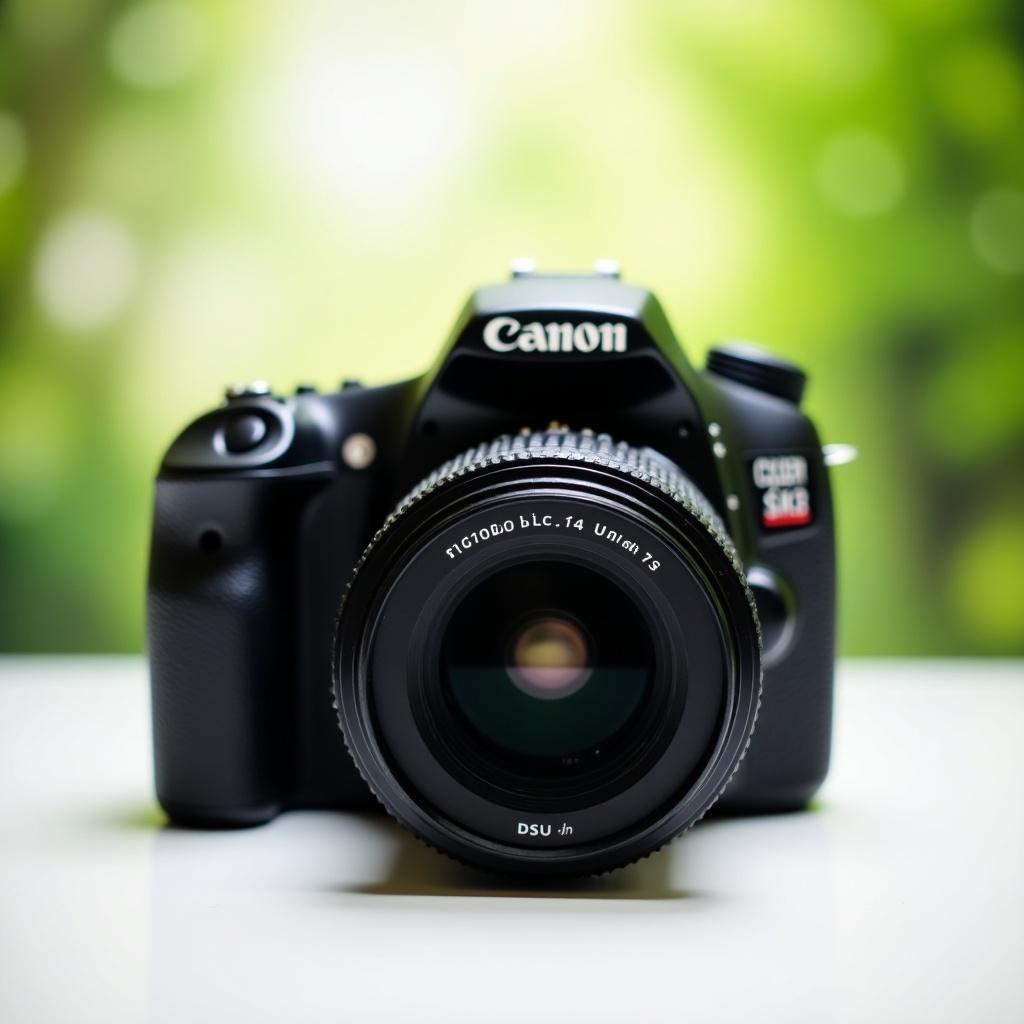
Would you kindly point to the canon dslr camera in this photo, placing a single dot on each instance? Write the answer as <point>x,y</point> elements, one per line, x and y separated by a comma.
<point>550,586</point>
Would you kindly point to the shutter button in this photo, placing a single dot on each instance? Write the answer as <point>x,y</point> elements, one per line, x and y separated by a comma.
<point>244,433</point>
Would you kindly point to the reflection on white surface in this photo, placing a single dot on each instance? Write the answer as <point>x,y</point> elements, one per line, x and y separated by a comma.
<point>899,900</point>
<point>335,913</point>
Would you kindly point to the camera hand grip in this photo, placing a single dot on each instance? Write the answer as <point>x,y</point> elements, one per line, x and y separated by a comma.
<point>220,636</point>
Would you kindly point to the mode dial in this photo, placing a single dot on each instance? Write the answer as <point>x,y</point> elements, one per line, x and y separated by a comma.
<point>758,368</point>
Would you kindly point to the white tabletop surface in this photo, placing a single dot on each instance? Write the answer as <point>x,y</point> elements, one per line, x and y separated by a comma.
<point>901,898</point>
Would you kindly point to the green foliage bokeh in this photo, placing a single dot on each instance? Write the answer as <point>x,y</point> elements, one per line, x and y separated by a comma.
<point>195,193</point>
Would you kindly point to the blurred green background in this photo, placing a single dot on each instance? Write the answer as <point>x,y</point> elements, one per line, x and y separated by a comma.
<point>197,193</point>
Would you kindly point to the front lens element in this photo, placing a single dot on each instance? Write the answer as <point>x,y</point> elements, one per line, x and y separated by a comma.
<point>546,660</point>
<point>550,658</point>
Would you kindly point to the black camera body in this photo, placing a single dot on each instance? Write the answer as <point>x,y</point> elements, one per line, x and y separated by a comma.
<point>265,505</point>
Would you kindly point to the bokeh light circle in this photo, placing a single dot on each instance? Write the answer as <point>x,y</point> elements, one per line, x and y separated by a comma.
<point>997,230</point>
<point>158,44</point>
<point>860,174</point>
<point>85,269</point>
<point>13,151</point>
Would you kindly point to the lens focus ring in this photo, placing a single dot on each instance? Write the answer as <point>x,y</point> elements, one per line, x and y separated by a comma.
<point>578,446</point>
<point>643,464</point>
<point>428,508</point>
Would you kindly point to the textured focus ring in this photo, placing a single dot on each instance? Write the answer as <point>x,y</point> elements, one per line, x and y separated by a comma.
<point>574,446</point>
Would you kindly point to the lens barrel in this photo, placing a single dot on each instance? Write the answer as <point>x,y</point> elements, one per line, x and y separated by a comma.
<point>548,660</point>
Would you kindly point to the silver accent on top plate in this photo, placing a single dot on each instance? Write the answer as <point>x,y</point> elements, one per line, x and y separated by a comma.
<point>524,266</point>
<point>839,454</point>
<point>256,389</point>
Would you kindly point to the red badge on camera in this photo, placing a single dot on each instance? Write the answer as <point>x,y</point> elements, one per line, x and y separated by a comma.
<point>783,483</point>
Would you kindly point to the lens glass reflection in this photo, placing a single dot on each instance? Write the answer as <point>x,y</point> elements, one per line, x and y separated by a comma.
<point>547,660</point>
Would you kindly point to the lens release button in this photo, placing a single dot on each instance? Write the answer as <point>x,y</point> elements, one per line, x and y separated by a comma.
<point>244,433</point>
<point>775,609</point>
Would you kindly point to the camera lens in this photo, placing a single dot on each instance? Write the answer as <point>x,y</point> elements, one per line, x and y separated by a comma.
<point>548,660</point>
<point>522,662</point>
